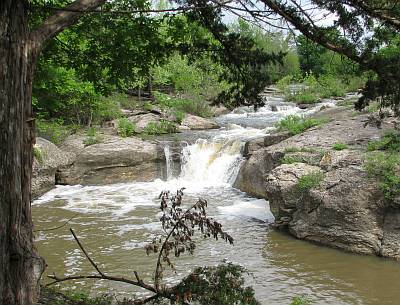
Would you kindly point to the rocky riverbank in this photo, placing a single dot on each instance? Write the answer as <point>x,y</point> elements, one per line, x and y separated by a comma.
<point>344,208</point>
<point>111,159</point>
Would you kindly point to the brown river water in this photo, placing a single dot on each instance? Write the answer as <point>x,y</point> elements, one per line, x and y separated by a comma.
<point>114,222</point>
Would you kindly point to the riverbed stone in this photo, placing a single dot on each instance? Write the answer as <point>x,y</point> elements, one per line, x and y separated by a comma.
<point>116,159</point>
<point>196,122</point>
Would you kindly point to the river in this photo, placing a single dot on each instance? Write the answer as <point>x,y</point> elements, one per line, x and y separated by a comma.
<point>115,221</point>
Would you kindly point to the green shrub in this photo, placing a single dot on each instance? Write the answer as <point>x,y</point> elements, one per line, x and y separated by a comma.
<point>124,101</point>
<point>195,106</point>
<point>125,128</point>
<point>390,142</point>
<point>330,86</point>
<point>339,146</point>
<point>311,89</point>
<point>295,124</point>
<point>162,127</point>
<point>385,167</point>
<point>202,283</point>
<point>107,109</point>
<point>54,131</point>
<point>147,106</point>
<point>303,98</point>
<point>310,181</point>
<point>284,83</point>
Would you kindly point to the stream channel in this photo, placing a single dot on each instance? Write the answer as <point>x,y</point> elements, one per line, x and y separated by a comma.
<point>115,222</point>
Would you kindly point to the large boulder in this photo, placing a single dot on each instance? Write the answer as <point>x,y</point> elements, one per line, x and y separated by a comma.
<point>196,122</point>
<point>116,159</point>
<point>308,145</point>
<point>346,211</point>
<point>48,158</point>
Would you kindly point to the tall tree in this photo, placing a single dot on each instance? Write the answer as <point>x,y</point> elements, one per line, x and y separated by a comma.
<point>20,265</point>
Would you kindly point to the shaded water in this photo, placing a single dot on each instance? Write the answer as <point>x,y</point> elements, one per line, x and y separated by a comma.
<point>115,221</point>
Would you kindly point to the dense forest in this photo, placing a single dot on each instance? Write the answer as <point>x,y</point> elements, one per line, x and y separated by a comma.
<point>68,66</point>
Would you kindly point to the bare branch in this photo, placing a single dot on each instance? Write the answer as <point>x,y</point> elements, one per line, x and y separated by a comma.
<point>119,12</point>
<point>86,254</point>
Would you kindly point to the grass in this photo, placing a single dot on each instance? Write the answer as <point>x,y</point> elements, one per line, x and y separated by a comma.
<point>51,296</point>
<point>125,128</point>
<point>92,137</point>
<point>38,154</point>
<point>309,181</point>
<point>339,146</point>
<point>383,163</point>
<point>295,124</point>
<point>292,149</point>
<point>292,159</point>
<point>385,168</point>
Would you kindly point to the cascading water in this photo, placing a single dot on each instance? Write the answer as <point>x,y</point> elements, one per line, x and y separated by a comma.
<point>168,162</point>
<point>211,162</point>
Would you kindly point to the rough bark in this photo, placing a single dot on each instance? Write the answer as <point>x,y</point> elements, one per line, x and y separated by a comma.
<point>20,266</point>
<point>18,257</point>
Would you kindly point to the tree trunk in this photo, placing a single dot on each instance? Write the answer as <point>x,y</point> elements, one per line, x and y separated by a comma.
<point>20,265</point>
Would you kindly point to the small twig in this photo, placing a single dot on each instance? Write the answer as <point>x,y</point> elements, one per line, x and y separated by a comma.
<point>87,255</point>
<point>59,227</point>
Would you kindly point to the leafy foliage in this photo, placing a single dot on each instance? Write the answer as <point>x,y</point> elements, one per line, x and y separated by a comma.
<point>220,285</point>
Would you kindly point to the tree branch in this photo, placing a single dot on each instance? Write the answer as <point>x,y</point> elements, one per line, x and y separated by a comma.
<point>378,14</point>
<point>62,19</point>
<point>315,34</point>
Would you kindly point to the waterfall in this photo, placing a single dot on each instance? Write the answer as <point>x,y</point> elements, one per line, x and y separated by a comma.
<point>168,162</point>
<point>211,161</point>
